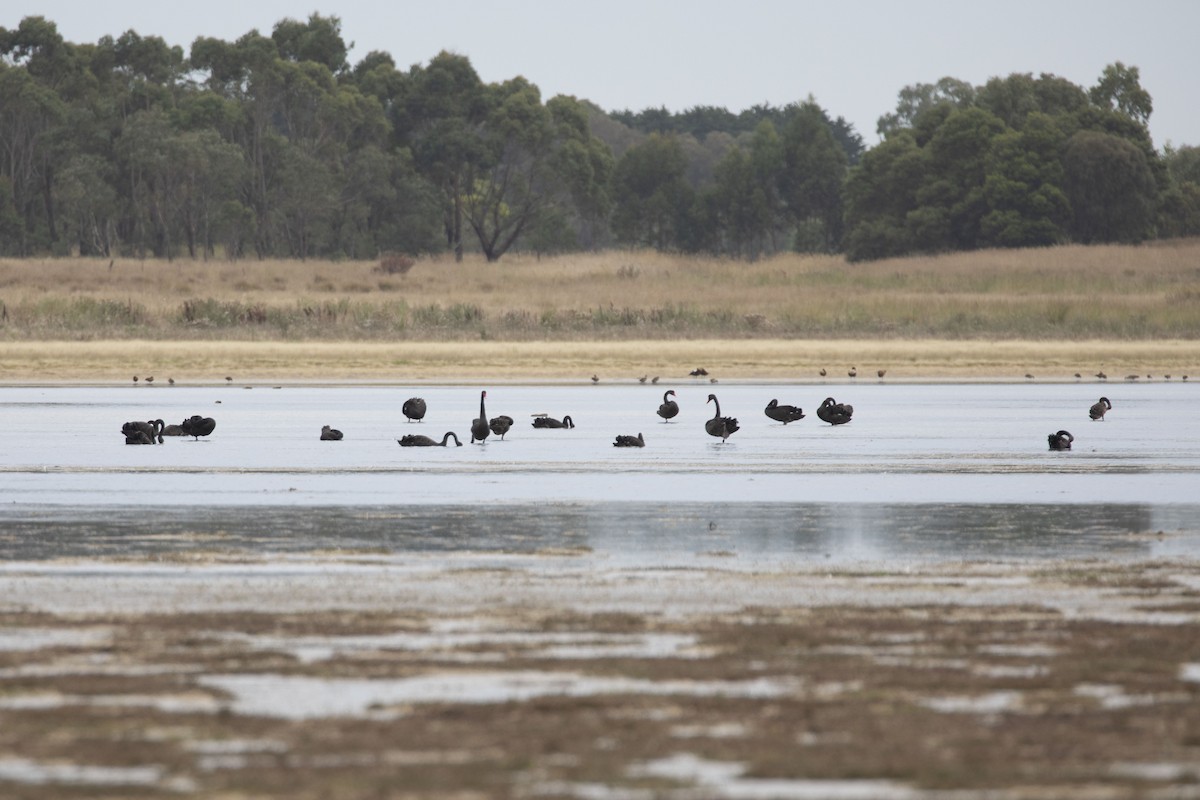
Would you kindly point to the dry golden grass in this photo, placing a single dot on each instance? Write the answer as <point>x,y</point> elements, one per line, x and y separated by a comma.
<point>620,313</point>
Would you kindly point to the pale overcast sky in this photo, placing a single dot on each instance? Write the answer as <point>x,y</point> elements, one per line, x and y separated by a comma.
<point>852,58</point>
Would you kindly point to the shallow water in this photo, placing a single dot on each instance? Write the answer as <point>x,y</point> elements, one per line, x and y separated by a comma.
<point>923,471</point>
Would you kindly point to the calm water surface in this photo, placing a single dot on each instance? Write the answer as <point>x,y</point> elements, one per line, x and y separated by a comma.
<point>923,471</point>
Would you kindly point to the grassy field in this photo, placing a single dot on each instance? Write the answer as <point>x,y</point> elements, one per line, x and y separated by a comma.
<point>1120,309</point>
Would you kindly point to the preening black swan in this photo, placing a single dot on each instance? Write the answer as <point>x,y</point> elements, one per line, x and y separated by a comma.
<point>172,430</point>
<point>143,432</point>
<point>629,441</point>
<point>784,414</point>
<point>500,425</point>
<point>197,426</point>
<point>718,425</point>
<point>414,409</point>
<point>669,408</point>
<point>329,434</point>
<point>1061,440</point>
<point>419,440</point>
<point>543,421</point>
<point>835,413</point>
<point>479,426</point>
<point>1100,408</point>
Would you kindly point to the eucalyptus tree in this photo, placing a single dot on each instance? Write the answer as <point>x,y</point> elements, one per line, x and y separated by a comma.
<point>652,197</point>
<point>814,171</point>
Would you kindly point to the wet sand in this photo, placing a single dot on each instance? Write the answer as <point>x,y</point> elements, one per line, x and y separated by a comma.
<point>200,362</point>
<point>557,674</point>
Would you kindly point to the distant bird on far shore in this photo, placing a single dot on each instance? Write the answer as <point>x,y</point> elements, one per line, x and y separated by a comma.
<point>822,372</point>
<point>1101,376</point>
<point>595,378</point>
<point>881,372</point>
<point>643,379</point>
<point>853,373</point>
<point>698,372</point>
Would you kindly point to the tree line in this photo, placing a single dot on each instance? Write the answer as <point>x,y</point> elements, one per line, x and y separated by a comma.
<point>276,146</point>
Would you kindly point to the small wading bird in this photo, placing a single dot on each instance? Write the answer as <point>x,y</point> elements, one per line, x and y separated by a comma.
<point>419,440</point>
<point>1100,408</point>
<point>414,409</point>
<point>835,413</point>
<point>329,434</point>
<point>698,372</point>
<point>723,427</point>
<point>784,414</point>
<point>669,408</point>
<point>1061,440</point>
<point>547,421</point>
<point>629,441</point>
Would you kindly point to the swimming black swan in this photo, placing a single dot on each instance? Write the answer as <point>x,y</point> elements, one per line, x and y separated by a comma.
<point>542,421</point>
<point>414,409</point>
<point>669,408</point>
<point>500,425</point>
<point>479,426</point>
<point>329,434</point>
<point>629,441</point>
<point>197,426</point>
<point>835,413</point>
<point>1061,440</point>
<point>419,440</point>
<point>143,432</point>
<point>784,414</point>
<point>718,425</point>
<point>1100,408</point>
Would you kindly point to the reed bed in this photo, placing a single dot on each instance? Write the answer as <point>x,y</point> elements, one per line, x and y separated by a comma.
<point>1117,292</point>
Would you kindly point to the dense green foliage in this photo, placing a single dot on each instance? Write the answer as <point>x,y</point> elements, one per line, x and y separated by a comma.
<point>278,146</point>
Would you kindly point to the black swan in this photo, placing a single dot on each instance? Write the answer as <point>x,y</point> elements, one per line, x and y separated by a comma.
<point>329,434</point>
<point>718,425</point>
<point>669,408</point>
<point>629,441</point>
<point>419,440</point>
<point>172,430</point>
<point>784,414</point>
<point>542,421</point>
<point>479,426</point>
<point>414,409</point>
<point>197,426</point>
<point>1061,440</point>
<point>500,425</point>
<point>143,432</point>
<point>835,413</point>
<point>1100,408</point>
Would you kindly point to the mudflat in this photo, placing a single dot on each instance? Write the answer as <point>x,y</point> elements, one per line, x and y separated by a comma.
<point>800,360</point>
<point>554,674</point>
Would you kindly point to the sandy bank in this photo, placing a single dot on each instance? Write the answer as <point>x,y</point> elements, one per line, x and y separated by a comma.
<point>616,361</point>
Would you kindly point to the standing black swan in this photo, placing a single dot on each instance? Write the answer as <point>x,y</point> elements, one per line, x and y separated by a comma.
<point>669,408</point>
<point>1061,440</point>
<point>143,432</point>
<point>197,426</point>
<point>500,425</point>
<point>329,434</point>
<point>718,425</point>
<point>1100,408</point>
<point>543,421</point>
<point>784,414</point>
<point>629,441</point>
<point>414,409</point>
<point>835,413</point>
<point>419,440</point>
<point>479,426</point>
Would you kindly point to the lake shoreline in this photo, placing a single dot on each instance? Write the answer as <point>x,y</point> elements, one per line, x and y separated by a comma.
<point>626,361</point>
